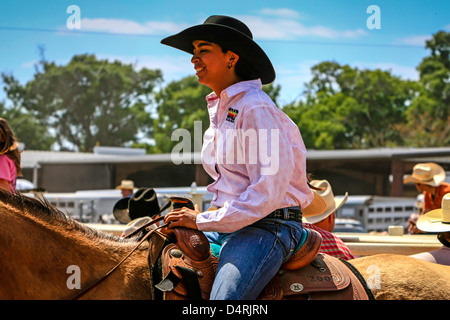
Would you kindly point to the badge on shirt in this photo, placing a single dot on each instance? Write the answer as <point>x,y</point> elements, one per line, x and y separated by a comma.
<point>231,115</point>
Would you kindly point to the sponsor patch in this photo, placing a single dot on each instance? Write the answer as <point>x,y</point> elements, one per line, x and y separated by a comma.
<point>231,115</point>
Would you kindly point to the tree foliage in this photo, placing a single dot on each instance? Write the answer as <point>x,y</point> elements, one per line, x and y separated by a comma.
<point>91,101</point>
<point>88,101</point>
<point>347,107</point>
<point>26,128</point>
<point>428,117</point>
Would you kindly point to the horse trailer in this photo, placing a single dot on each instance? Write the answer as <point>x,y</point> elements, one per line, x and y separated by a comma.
<point>377,213</point>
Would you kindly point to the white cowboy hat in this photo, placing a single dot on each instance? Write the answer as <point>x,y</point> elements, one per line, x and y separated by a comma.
<point>332,204</point>
<point>126,185</point>
<point>436,220</point>
<point>428,173</point>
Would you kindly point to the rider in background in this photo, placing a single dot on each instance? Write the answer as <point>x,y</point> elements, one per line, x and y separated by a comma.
<point>437,221</point>
<point>127,188</point>
<point>324,223</point>
<point>429,179</point>
<point>9,157</point>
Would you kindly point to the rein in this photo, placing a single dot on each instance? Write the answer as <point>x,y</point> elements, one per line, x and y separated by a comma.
<point>96,283</point>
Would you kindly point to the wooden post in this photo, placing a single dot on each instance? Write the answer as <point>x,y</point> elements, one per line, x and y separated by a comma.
<point>397,178</point>
<point>201,177</point>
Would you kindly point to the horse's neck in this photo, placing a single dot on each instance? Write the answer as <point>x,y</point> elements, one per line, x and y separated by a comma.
<point>45,262</point>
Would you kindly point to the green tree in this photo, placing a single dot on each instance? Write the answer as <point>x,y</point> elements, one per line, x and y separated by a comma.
<point>428,117</point>
<point>348,108</point>
<point>27,128</point>
<point>89,101</point>
<point>179,104</point>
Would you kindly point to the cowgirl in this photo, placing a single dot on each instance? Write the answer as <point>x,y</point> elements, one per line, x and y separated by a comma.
<point>256,211</point>
<point>9,157</point>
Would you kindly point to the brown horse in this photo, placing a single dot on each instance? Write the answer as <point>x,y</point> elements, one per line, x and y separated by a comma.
<point>41,252</point>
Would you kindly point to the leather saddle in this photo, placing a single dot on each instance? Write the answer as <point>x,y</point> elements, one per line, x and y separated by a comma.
<point>187,269</point>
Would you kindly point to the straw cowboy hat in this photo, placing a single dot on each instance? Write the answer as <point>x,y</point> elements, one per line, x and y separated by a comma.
<point>231,34</point>
<point>144,203</point>
<point>316,207</point>
<point>332,204</point>
<point>436,220</point>
<point>428,173</point>
<point>126,185</point>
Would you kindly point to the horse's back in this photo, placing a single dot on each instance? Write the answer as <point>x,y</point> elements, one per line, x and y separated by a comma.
<point>397,277</point>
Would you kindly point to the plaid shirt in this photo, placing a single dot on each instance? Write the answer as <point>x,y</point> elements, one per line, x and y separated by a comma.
<point>331,244</point>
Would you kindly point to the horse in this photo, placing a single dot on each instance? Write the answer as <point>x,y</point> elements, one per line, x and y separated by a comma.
<point>47,255</point>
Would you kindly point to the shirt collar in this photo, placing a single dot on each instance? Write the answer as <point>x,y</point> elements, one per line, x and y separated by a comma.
<point>235,89</point>
<point>241,87</point>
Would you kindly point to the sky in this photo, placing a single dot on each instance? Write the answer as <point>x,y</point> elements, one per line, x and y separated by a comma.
<point>295,35</point>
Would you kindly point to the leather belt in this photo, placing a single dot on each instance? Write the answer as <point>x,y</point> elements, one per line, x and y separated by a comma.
<point>290,213</point>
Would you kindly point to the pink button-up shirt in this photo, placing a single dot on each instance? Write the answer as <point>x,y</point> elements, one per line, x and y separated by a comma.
<point>255,154</point>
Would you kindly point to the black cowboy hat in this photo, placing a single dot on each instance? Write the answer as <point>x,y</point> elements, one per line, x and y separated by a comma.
<point>144,203</point>
<point>231,34</point>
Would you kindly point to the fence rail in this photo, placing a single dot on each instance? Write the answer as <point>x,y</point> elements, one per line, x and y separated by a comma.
<point>360,244</point>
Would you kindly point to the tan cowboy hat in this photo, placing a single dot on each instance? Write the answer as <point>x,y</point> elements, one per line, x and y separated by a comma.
<point>428,173</point>
<point>436,220</point>
<point>126,185</point>
<point>316,207</point>
<point>332,204</point>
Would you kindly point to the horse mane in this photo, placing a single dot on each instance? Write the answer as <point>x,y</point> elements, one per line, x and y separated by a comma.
<point>44,211</point>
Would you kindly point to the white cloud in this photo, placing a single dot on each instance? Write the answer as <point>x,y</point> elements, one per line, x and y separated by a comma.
<point>414,40</point>
<point>282,28</point>
<point>29,64</point>
<point>404,72</point>
<point>270,24</point>
<point>123,26</point>
<point>282,12</point>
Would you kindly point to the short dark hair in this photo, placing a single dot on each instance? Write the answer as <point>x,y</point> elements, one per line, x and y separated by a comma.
<point>243,70</point>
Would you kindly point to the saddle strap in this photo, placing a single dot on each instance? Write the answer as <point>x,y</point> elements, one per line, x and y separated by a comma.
<point>183,277</point>
<point>326,278</point>
<point>360,278</point>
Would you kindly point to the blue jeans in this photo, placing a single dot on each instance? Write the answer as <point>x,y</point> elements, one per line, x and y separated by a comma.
<point>250,257</point>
